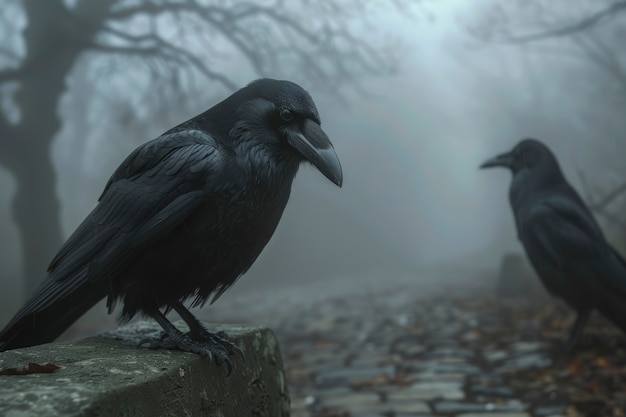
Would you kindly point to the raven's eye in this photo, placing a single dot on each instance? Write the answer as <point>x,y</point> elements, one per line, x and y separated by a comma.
<point>286,115</point>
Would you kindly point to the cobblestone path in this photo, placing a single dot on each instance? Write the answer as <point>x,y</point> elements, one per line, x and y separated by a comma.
<point>396,354</point>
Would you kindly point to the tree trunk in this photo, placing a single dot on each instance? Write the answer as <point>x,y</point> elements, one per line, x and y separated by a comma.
<point>36,213</point>
<point>36,207</point>
<point>55,38</point>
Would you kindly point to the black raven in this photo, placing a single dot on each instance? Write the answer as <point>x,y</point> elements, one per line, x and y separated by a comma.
<point>183,217</point>
<point>561,238</point>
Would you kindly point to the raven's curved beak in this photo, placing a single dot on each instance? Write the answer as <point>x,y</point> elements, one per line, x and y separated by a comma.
<point>311,141</point>
<point>504,160</point>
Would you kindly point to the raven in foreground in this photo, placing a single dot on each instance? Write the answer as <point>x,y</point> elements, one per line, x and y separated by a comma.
<point>562,240</point>
<point>183,217</point>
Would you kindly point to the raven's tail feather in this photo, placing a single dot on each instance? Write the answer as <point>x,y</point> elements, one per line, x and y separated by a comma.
<point>49,312</point>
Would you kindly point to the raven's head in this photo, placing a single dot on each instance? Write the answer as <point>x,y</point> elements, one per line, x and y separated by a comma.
<point>534,168</point>
<point>283,114</point>
<point>528,154</point>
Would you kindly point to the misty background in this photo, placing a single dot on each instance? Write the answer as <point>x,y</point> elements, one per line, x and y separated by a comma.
<point>413,95</point>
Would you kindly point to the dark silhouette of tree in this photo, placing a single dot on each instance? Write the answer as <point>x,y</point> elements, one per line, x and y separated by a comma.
<point>603,14</point>
<point>174,40</point>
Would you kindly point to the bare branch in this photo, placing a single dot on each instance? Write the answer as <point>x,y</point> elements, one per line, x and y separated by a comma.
<point>331,54</point>
<point>585,186</point>
<point>155,9</point>
<point>127,36</point>
<point>612,218</point>
<point>158,47</point>
<point>603,56</point>
<point>600,205</point>
<point>220,18</point>
<point>608,13</point>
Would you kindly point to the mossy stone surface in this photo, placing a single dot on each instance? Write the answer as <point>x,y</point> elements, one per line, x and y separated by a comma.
<point>108,375</point>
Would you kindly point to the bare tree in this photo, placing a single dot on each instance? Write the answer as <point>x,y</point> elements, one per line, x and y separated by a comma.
<point>169,40</point>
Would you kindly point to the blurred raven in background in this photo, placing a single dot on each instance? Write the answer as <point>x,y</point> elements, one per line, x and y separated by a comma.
<point>561,238</point>
<point>183,217</point>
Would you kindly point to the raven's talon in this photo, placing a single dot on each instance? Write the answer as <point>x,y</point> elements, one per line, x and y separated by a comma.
<point>238,351</point>
<point>223,349</point>
<point>220,339</point>
<point>208,346</point>
<point>206,353</point>
<point>231,347</point>
<point>213,346</point>
<point>230,365</point>
<point>223,358</point>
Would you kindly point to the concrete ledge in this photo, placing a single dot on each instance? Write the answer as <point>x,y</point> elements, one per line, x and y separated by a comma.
<point>108,376</point>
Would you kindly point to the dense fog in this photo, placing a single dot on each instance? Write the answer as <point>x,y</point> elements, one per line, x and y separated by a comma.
<point>414,205</point>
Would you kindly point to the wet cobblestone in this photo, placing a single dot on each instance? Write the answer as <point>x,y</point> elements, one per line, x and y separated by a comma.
<point>392,355</point>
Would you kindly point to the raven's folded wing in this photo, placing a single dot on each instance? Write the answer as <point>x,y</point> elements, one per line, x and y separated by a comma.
<point>563,231</point>
<point>154,190</point>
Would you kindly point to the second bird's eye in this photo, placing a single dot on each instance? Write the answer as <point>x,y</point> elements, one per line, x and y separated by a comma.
<point>286,115</point>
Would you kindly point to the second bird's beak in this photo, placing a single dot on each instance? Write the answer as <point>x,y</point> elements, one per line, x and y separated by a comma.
<point>314,145</point>
<point>504,160</point>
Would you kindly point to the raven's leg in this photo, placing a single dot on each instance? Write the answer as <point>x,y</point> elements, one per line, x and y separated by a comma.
<point>198,332</point>
<point>577,329</point>
<point>175,339</point>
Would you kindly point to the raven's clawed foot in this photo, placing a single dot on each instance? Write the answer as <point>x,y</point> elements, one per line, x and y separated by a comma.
<point>207,344</point>
<point>220,338</point>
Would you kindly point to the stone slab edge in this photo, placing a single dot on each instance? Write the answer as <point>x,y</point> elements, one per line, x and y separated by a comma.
<point>109,376</point>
